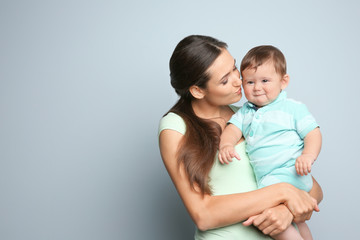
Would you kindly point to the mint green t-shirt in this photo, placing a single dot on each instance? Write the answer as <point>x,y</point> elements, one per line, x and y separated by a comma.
<point>236,177</point>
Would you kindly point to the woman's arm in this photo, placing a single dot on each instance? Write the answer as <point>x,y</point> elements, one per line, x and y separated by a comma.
<point>276,219</point>
<point>215,211</point>
<point>316,191</point>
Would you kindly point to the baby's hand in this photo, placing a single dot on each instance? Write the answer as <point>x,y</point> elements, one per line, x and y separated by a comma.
<point>303,164</point>
<point>226,153</point>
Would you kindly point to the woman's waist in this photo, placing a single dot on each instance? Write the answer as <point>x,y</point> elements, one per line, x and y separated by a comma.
<point>235,231</point>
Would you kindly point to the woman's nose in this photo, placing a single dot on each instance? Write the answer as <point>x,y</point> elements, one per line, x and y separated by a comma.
<point>237,80</point>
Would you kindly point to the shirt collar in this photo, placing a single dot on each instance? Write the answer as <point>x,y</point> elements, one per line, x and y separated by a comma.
<point>281,97</point>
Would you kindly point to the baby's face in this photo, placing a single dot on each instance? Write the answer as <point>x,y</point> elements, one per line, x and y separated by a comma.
<point>263,85</point>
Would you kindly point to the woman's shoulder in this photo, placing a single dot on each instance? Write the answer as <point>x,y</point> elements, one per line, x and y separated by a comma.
<point>172,121</point>
<point>175,122</point>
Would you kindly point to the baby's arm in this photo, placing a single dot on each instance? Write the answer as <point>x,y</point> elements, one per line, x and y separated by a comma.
<point>312,146</point>
<point>230,136</point>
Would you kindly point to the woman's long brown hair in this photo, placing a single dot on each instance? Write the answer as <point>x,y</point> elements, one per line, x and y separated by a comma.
<point>189,63</point>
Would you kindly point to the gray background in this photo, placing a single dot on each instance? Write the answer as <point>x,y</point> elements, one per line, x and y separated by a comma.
<point>83,85</point>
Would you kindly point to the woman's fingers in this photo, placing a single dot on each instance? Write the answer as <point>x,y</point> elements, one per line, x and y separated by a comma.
<point>260,221</point>
<point>249,221</point>
<point>300,204</point>
<point>272,221</point>
<point>305,211</point>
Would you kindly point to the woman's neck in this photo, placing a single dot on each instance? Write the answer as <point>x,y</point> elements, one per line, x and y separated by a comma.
<point>204,110</point>
<point>219,114</point>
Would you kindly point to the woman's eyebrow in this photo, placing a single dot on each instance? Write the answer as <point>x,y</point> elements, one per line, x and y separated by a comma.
<point>221,79</point>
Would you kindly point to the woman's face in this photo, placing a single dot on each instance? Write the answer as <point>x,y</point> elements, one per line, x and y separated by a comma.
<point>224,86</point>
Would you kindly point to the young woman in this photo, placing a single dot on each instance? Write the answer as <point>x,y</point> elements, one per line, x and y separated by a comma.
<point>219,197</point>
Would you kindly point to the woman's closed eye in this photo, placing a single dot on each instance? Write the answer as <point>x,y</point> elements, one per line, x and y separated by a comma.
<point>224,81</point>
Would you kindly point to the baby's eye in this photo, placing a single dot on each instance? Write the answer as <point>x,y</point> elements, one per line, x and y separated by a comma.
<point>249,82</point>
<point>265,80</point>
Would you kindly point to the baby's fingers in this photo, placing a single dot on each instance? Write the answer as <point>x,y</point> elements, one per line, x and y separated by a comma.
<point>306,168</point>
<point>220,159</point>
<point>237,156</point>
<point>223,158</point>
<point>309,168</point>
<point>299,168</point>
<point>228,158</point>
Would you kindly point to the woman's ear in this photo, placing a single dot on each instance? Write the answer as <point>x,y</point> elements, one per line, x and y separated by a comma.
<point>285,81</point>
<point>197,92</point>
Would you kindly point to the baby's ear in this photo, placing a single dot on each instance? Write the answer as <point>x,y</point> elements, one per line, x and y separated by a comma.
<point>285,81</point>
<point>197,92</point>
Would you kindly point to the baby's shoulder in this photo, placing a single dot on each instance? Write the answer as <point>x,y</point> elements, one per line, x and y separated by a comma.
<point>292,104</point>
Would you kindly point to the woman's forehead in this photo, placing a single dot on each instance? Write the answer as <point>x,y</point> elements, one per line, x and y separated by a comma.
<point>222,65</point>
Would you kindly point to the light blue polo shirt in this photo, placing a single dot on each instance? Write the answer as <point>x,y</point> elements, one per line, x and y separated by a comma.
<point>274,139</point>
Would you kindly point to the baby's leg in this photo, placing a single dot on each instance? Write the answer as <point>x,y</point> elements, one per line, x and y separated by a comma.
<point>289,233</point>
<point>304,231</point>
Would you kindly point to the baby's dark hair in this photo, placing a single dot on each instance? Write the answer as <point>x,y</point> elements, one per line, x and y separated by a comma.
<point>261,54</point>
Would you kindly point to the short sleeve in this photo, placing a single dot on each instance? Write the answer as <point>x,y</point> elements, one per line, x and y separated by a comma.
<point>304,121</point>
<point>237,119</point>
<point>172,121</point>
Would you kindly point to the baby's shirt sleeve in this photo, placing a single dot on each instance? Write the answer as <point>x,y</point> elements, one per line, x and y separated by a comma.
<point>237,119</point>
<point>304,121</point>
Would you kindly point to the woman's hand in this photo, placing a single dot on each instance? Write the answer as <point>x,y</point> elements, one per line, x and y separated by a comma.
<point>272,221</point>
<point>300,203</point>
